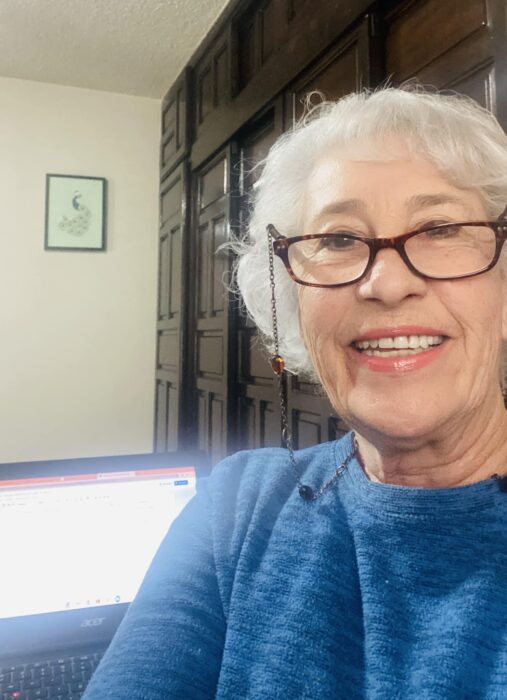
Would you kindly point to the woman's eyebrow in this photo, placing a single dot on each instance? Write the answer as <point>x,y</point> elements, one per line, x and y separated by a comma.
<point>414,203</point>
<point>423,201</point>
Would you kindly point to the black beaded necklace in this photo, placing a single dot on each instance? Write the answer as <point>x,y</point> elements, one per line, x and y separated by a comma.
<point>306,492</point>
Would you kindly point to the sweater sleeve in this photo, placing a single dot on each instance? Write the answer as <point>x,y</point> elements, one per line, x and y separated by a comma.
<point>169,645</point>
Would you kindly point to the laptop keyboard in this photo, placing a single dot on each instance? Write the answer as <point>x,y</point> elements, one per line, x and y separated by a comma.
<point>63,678</point>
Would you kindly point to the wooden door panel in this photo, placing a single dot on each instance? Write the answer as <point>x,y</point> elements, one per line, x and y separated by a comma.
<point>211,335</point>
<point>210,354</point>
<point>480,85</point>
<point>213,79</point>
<point>336,79</point>
<point>219,267</point>
<point>259,413</point>
<point>164,283</point>
<point>345,68</point>
<point>170,272</point>
<point>448,45</point>
<point>472,55</point>
<point>170,201</point>
<point>202,421</point>
<point>213,183</point>
<point>337,428</point>
<point>211,422</point>
<point>168,349</point>
<point>420,32</point>
<point>172,314</point>
<point>260,420</point>
<point>176,124</point>
<point>175,253</point>
<point>307,429</point>
<point>217,420</point>
<point>167,414</point>
<point>203,271</point>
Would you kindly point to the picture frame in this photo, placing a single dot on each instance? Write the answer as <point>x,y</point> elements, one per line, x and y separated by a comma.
<point>76,211</point>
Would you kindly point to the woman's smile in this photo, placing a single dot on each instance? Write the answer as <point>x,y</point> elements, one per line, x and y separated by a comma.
<point>398,349</point>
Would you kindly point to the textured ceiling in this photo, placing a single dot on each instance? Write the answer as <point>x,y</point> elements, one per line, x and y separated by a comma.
<point>137,47</point>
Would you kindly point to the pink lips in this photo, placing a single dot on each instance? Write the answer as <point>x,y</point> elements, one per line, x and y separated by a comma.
<point>399,363</point>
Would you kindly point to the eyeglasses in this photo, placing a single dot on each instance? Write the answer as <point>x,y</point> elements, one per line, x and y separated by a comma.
<point>445,251</point>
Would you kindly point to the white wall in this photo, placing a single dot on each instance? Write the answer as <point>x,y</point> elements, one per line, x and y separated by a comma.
<point>77,329</point>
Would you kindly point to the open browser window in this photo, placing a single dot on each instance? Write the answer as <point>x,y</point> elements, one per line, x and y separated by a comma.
<point>84,540</point>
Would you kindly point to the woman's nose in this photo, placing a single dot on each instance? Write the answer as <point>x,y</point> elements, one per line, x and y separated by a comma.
<point>390,280</point>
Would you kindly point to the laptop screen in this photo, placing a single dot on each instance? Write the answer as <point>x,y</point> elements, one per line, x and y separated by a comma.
<point>84,540</point>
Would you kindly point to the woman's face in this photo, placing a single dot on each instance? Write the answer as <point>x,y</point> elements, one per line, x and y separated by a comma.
<point>417,395</point>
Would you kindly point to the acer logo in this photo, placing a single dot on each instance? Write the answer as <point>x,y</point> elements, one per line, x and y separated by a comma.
<point>92,622</point>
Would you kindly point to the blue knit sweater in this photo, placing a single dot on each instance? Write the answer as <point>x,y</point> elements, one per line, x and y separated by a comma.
<point>374,591</point>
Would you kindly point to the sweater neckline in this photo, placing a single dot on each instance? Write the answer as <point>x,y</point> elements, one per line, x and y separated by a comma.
<point>395,499</point>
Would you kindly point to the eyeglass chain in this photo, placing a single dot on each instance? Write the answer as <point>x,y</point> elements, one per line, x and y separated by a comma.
<point>306,492</point>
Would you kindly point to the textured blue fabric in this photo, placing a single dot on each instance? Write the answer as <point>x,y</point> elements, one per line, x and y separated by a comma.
<point>374,591</point>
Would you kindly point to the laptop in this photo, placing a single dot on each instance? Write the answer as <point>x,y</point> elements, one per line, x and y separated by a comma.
<point>77,537</point>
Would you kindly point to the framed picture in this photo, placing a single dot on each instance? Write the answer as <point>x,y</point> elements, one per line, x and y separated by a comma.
<point>75,213</point>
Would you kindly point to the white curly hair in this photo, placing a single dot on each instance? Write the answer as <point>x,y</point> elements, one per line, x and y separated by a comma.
<point>462,139</point>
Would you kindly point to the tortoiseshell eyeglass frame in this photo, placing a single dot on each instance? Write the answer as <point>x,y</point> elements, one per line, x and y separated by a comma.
<point>281,246</point>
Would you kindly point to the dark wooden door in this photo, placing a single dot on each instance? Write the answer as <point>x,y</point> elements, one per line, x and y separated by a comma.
<point>214,389</point>
<point>172,316</point>
<point>258,404</point>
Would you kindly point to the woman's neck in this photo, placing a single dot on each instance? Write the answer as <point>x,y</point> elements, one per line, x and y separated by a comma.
<point>461,454</point>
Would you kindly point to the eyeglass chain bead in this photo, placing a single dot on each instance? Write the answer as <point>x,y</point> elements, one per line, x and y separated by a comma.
<point>306,492</point>
<point>278,364</point>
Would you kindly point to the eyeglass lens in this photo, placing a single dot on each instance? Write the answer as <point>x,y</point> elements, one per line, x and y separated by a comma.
<point>444,252</point>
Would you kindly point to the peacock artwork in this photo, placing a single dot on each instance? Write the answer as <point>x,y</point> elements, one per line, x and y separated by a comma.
<point>75,212</point>
<point>78,224</point>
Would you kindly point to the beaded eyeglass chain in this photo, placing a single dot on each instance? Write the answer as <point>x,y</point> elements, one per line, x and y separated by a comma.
<point>306,492</point>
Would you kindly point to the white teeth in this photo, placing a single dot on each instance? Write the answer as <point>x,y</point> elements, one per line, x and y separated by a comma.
<point>400,342</point>
<point>408,344</point>
<point>393,353</point>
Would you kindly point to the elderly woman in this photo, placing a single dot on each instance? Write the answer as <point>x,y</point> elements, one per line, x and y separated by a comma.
<point>379,569</point>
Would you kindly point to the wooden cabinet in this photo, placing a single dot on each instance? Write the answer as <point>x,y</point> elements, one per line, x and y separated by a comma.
<point>444,44</point>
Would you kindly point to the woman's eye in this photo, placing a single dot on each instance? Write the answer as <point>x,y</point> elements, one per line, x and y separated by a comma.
<point>447,231</point>
<point>431,224</point>
<point>338,241</point>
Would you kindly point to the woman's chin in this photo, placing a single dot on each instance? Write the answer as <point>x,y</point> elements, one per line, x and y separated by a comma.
<point>407,418</point>
<point>411,433</point>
